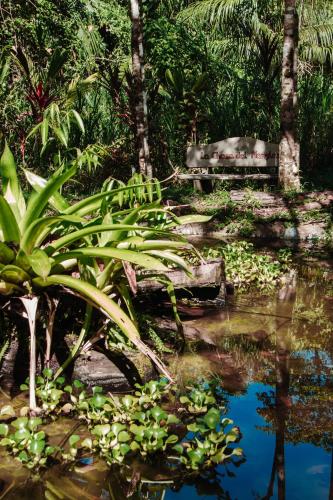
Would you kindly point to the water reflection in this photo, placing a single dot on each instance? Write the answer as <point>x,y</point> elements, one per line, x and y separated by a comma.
<point>285,343</point>
<point>273,356</point>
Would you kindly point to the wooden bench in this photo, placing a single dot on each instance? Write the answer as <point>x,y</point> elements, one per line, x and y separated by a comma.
<point>208,162</point>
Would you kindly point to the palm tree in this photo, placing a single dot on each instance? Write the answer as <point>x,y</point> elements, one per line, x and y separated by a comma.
<point>277,44</point>
<point>289,147</point>
<point>138,75</point>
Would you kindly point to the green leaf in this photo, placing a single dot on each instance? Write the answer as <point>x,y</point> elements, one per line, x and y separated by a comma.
<point>38,183</point>
<point>10,185</point>
<point>7,411</point>
<point>39,201</point>
<point>154,245</point>
<point>93,202</point>
<point>6,254</point>
<point>140,259</point>
<point>37,232</point>
<point>108,307</point>
<point>23,456</point>
<point>124,449</point>
<point>231,437</point>
<point>178,448</point>
<point>40,436</point>
<point>34,130</point>
<point>14,274</point>
<point>20,423</point>
<point>101,430</point>
<point>41,265</point>
<point>49,450</point>
<point>9,230</point>
<point>134,446</point>
<point>47,372</point>
<point>87,443</point>
<point>116,428</point>
<point>175,80</point>
<point>44,131</point>
<point>123,437</point>
<point>4,429</point>
<point>9,288</point>
<point>61,135</point>
<point>128,401</point>
<point>74,438</point>
<point>57,62</point>
<point>212,418</point>
<point>21,434</point>
<point>197,456</point>
<point>200,83</point>
<point>94,229</point>
<point>79,120</point>
<point>36,447</point>
<point>158,414</point>
<point>172,419</point>
<point>193,218</point>
<point>238,452</point>
<point>98,400</point>
<point>34,422</point>
<point>172,439</point>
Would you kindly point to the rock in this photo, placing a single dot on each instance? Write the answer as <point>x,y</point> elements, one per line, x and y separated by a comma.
<point>113,372</point>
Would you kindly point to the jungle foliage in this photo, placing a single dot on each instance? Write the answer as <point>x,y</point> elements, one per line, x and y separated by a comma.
<point>91,248</point>
<point>212,71</point>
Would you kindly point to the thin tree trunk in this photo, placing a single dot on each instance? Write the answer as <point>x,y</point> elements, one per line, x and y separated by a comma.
<point>141,110</point>
<point>330,495</point>
<point>289,147</point>
<point>281,401</point>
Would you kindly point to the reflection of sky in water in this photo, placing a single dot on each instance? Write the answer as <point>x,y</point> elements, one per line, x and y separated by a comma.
<point>307,466</point>
<point>308,355</point>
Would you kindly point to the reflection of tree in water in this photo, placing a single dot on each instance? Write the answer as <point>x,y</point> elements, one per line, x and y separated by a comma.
<point>300,410</point>
<point>139,487</point>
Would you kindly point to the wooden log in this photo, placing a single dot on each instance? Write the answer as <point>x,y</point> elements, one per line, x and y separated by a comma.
<point>227,177</point>
<point>209,274</point>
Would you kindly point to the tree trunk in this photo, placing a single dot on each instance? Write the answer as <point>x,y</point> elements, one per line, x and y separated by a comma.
<point>289,147</point>
<point>138,71</point>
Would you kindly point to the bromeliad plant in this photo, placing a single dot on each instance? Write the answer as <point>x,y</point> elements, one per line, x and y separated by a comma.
<point>93,253</point>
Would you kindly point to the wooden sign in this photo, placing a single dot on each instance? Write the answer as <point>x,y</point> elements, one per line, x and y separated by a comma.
<point>234,152</point>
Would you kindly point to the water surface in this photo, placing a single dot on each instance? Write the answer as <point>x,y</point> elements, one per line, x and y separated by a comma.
<point>273,356</point>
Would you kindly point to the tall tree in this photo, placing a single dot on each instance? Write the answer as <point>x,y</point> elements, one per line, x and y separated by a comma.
<point>289,147</point>
<point>138,72</point>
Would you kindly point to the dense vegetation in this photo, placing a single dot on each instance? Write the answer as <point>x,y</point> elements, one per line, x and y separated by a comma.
<point>80,108</point>
<point>212,70</point>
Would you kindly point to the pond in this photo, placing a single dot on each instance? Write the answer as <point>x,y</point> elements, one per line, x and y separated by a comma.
<point>273,356</point>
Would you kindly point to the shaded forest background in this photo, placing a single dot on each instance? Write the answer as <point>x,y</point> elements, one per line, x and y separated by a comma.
<point>215,64</point>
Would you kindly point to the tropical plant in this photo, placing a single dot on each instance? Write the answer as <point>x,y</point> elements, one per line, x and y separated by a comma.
<point>126,426</point>
<point>27,442</point>
<point>40,251</point>
<point>187,98</point>
<point>53,115</point>
<point>245,268</point>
